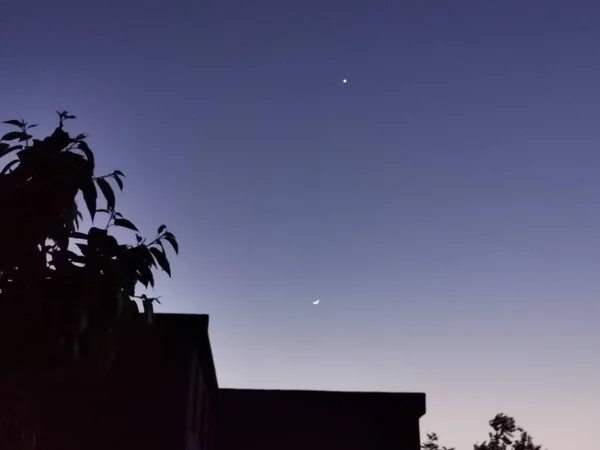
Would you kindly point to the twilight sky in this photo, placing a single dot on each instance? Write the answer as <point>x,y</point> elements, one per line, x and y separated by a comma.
<point>444,204</point>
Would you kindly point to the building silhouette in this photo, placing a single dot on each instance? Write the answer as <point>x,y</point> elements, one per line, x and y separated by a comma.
<point>298,420</point>
<point>162,394</point>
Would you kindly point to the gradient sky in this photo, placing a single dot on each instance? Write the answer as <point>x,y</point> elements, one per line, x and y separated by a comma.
<point>444,204</point>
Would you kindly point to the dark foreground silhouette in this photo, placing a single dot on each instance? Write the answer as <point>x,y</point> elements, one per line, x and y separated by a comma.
<point>162,393</point>
<point>68,298</point>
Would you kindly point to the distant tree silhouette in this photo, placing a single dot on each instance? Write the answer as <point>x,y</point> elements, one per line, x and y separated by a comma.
<point>432,443</point>
<point>501,438</point>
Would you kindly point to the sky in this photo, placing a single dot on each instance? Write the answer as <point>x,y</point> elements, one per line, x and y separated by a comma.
<point>444,203</point>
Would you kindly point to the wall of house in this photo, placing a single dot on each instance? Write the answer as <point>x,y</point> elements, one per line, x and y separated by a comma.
<point>296,420</point>
<point>97,416</point>
<point>200,422</point>
<point>142,404</point>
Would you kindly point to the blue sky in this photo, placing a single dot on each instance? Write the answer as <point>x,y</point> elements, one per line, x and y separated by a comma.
<point>444,203</point>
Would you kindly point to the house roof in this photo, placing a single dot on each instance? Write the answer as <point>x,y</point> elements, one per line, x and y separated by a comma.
<point>400,402</point>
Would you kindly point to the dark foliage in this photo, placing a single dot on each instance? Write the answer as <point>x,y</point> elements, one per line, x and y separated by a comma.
<point>432,443</point>
<point>501,438</point>
<point>69,294</point>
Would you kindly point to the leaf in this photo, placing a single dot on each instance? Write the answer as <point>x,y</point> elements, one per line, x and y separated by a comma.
<point>146,256</point>
<point>78,235</point>
<point>25,137</point>
<point>83,248</point>
<point>9,166</point>
<point>97,232</point>
<point>126,224</point>
<point>107,192</point>
<point>87,151</point>
<point>161,229</point>
<point>74,257</point>
<point>119,173</point>
<point>150,278</point>
<point>145,276</point>
<point>5,149</point>
<point>90,195</point>
<point>16,123</point>
<point>33,125</point>
<point>161,259</point>
<point>138,238</point>
<point>12,135</point>
<point>119,181</point>
<point>170,238</point>
<point>78,217</point>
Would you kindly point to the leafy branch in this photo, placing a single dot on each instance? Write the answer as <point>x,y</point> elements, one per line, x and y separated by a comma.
<point>72,294</point>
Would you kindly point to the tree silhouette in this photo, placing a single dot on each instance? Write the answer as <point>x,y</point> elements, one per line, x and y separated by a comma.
<point>63,286</point>
<point>432,443</point>
<point>501,438</point>
<point>66,296</point>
